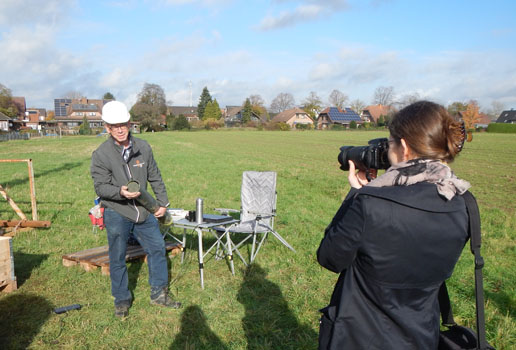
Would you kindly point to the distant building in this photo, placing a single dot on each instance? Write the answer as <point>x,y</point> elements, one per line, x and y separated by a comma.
<point>372,113</point>
<point>507,117</point>
<point>292,117</point>
<point>4,122</point>
<point>190,113</point>
<point>334,115</point>
<point>483,121</point>
<point>36,118</point>
<point>60,106</point>
<point>233,116</point>
<point>70,113</point>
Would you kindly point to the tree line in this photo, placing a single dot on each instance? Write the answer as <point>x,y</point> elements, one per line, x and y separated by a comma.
<point>151,106</point>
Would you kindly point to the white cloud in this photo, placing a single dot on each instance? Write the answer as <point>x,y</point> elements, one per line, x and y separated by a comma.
<point>309,10</point>
<point>15,12</point>
<point>442,76</point>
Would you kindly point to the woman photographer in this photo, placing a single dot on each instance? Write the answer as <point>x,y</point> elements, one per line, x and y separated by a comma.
<point>395,239</point>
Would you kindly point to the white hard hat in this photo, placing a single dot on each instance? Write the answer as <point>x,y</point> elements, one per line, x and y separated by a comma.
<point>115,112</point>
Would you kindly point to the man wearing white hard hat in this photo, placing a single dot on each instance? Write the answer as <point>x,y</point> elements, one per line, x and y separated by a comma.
<point>120,159</point>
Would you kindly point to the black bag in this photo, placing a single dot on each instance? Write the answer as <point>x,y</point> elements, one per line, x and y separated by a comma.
<point>458,337</point>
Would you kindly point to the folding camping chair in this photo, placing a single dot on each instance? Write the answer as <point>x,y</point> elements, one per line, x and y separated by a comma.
<point>258,209</point>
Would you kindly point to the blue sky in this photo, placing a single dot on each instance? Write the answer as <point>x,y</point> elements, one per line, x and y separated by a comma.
<point>442,50</point>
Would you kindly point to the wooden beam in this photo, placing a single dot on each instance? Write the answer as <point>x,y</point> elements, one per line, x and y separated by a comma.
<point>32,191</point>
<point>31,185</point>
<point>24,223</point>
<point>12,204</point>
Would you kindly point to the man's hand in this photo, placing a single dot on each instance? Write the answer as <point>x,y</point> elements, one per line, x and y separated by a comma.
<point>129,195</point>
<point>160,212</point>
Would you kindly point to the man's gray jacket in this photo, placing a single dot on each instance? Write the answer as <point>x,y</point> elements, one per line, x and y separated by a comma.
<point>110,172</point>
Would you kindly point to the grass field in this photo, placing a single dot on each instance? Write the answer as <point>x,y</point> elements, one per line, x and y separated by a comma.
<point>272,306</point>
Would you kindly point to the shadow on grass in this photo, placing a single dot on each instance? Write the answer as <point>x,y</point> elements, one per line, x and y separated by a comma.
<point>195,332</point>
<point>268,322</point>
<point>504,302</point>
<point>25,263</point>
<point>66,166</point>
<point>22,316</point>
<point>133,272</point>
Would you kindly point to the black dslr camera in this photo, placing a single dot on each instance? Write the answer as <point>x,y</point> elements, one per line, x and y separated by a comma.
<point>373,156</point>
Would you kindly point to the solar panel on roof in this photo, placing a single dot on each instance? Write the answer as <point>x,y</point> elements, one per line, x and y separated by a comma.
<point>347,115</point>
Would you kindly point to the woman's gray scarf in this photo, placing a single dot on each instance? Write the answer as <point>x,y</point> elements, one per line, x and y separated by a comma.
<point>423,170</point>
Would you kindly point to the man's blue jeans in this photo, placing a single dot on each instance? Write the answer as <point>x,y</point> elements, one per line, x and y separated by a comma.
<point>149,236</point>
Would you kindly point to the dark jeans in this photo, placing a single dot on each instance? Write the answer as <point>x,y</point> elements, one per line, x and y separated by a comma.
<point>151,240</point>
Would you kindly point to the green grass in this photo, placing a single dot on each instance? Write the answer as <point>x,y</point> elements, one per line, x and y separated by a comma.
<point>272,306</point>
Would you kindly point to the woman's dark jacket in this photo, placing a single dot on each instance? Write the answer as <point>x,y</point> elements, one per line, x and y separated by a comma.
<point>110,172</point>
<point>393,247</point>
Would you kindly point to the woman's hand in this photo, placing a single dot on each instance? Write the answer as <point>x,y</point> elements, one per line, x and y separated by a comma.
<point>356,179</point>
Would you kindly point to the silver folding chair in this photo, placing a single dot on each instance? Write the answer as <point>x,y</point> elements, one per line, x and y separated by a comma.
<point>258,209</point>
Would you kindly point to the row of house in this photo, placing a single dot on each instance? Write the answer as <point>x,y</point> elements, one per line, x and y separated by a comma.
<point>329,116</point>
<point>70,113</point>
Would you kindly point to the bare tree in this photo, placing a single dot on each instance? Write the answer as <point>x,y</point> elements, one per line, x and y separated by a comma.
<point>407,99</point>
<point>357,105</point>
<point>338,99</point>
<point>384,95</point>
<point>256,101</point>
<point>312,105</point>
<point>496,109</point>
<point>149,107</point>
<point>282,102</point>
<point>258,106</point>
<point>74,95</point>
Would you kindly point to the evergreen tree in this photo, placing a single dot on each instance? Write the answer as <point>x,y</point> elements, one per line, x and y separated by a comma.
<point>108,96</point>
<point>212,111</point>
<point>380,121</point>
<point>204,99</point>
<point>247,111</point>
<point>170,120</point>
<point>85,129</point>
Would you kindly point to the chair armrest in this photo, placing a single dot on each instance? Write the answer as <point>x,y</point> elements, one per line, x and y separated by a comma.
<point>262,215</point>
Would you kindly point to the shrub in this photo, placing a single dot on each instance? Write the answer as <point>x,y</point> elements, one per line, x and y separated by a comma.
<point>251,124</point>
<point>283,126</point>
<point>502,128</point>
<point>304,126</point>
<point>181,123</point>
<point>353,125</point>
<point>338,127</point>
<point>270,126</point>
<point>212,123</point>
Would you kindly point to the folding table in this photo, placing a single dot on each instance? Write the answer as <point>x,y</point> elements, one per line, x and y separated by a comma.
<point>223,221</point>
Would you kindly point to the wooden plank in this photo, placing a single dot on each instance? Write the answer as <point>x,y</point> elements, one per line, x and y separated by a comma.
<point>91,259</point>
<point>24,223</point>
<point>11,231</point>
